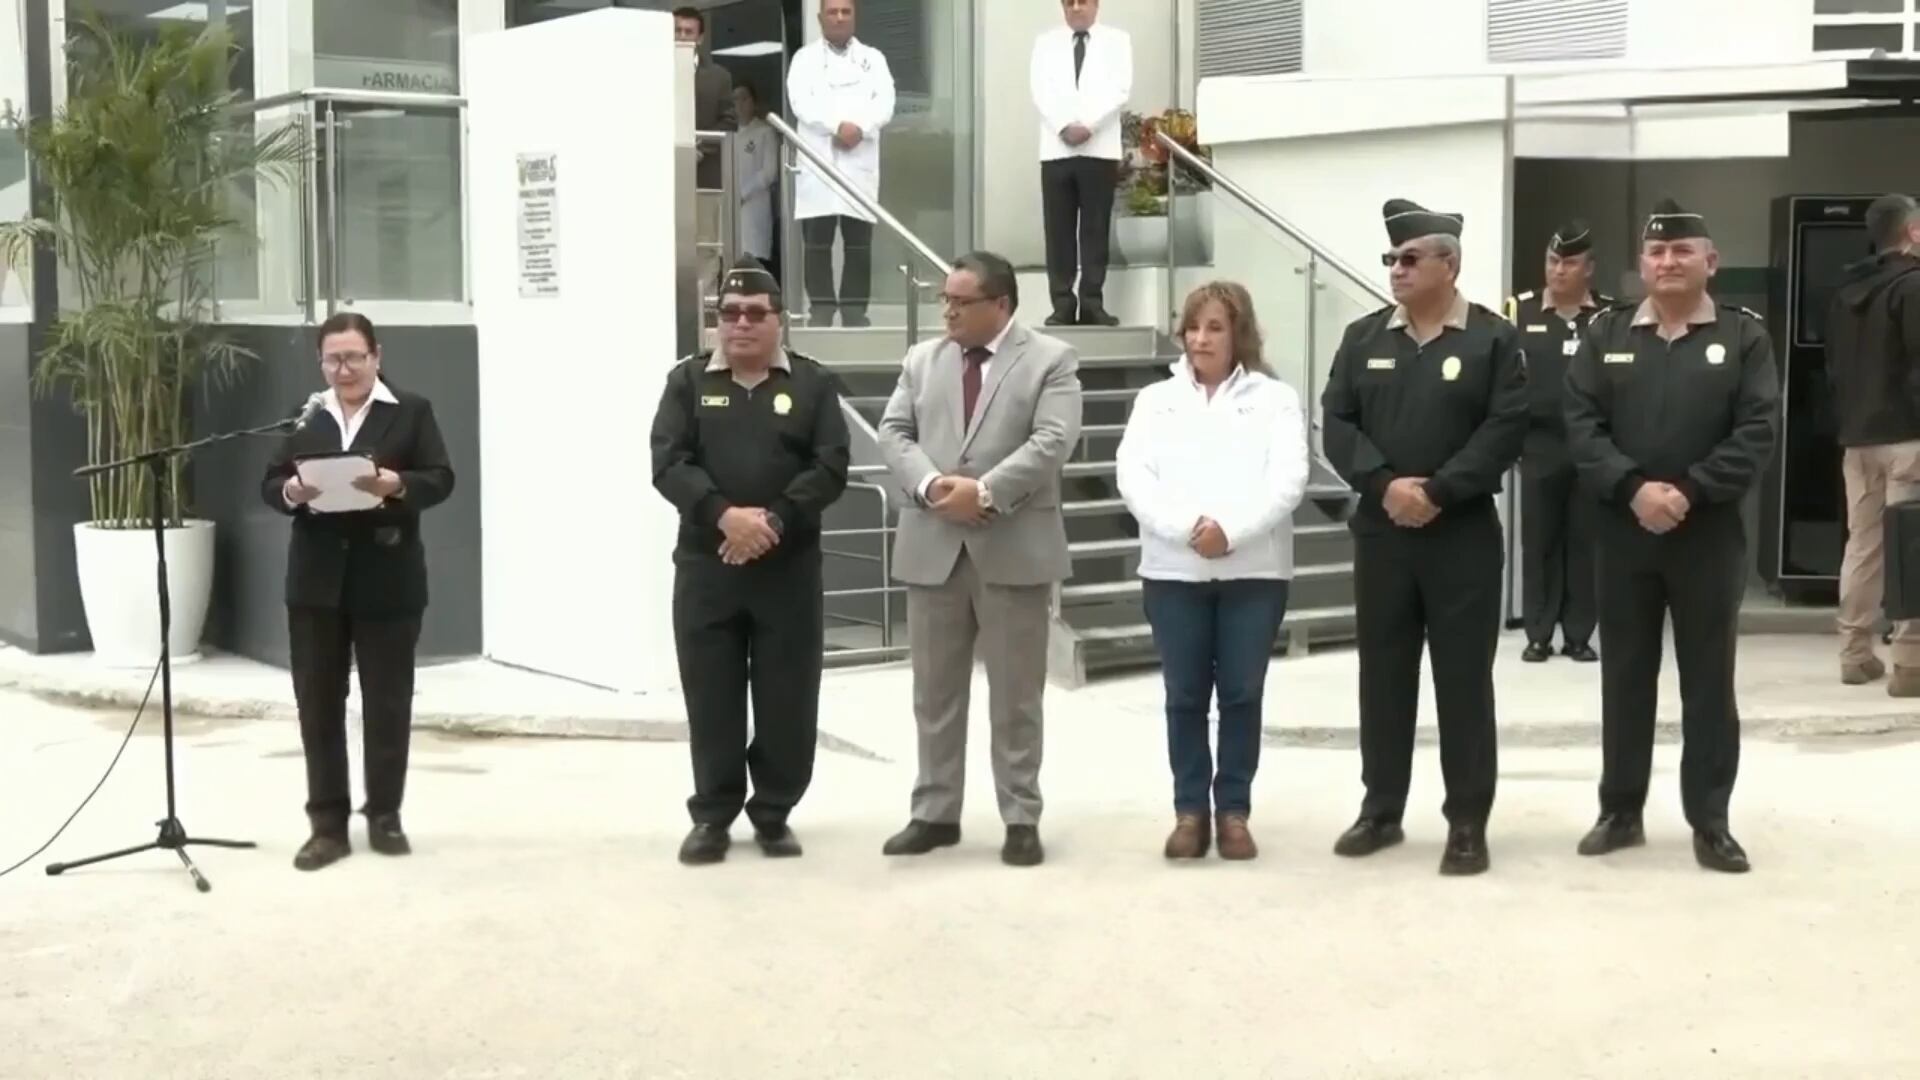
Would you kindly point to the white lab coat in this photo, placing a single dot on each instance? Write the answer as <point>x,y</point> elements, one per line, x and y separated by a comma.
<point>756,165</point>
<point>826,88</point>
<point>1106,85</point>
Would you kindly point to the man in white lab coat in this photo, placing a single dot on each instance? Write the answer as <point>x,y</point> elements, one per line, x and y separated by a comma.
<point>756,172</point>
<point>1082,78</point>
<point>841,94</point>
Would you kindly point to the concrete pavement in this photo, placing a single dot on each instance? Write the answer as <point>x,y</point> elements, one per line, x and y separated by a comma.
<point>544,929</point>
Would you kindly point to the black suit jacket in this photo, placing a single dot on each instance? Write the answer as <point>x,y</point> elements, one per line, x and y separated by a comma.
<point>368,562</point>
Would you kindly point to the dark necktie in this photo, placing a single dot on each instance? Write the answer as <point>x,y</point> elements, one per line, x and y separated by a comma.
<point>970,380</point>
<point>1079,54</point>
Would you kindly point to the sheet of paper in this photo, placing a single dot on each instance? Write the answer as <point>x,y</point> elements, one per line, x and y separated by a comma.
<point>334,476</point>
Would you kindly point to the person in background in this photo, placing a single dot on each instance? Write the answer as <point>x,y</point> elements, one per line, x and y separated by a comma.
<point>1211,465</point>
<point>1873,362</point>
<point>1556,512</point>
<point>712,93</point>
<point>750,445</point>
<point>357,586</point>
<point>841,94</point>
<point>1673,411</point>
<point>975,435</point>
<point>1081,77</point>
<point>1425,410</point>
<point>756,174</point>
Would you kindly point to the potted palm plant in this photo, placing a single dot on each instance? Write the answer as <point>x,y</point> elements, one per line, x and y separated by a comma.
<point>141,169</point>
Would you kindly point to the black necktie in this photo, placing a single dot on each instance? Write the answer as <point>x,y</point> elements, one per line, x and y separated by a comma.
<point>1079,54</point>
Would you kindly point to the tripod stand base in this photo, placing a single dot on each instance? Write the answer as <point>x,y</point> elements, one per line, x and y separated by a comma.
<point>173,837</point>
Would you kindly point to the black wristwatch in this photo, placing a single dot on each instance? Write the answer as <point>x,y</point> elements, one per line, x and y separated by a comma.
<point>779,527</point>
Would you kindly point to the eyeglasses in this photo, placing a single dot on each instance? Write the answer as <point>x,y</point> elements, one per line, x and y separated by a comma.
<point>345,359</point>
<point>1405,259</point>
<point>732,313</point>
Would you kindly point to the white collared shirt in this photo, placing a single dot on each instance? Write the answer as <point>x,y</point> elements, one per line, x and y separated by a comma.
<point>349,429</point>
<point>993,350</point>
<point>1239,457</point>
<point>1105,87</point>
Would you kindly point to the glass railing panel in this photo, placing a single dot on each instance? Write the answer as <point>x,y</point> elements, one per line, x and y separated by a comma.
<point>1339,298</point>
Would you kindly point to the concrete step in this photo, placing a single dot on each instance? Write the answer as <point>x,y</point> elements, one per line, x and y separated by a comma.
<point>881,347</point>
<point>1075,656</point>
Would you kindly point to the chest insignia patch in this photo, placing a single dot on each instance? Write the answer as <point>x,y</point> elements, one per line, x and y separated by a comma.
<point>782,404</point>
<point>1617,358</point>
<point>1380,363</point>
<point>715,400</point>
<point>1716,353</point>
<point>1541,329</point>
<point>1450,369</point>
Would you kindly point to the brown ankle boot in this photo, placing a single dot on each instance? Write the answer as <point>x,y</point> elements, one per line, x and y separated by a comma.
<point>1905,682</point>
<point>1189,838</point>
<point>1236,842</point>
<point>1861,672</point>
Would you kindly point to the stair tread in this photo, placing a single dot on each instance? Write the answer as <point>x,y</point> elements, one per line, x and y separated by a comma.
<point>1138,630</point>
<point>1126,586</point>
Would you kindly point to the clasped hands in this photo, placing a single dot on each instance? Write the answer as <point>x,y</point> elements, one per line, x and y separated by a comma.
<point>957,499</point>
<point>1661,507</point>
<point>384,482</point>
<point>747,533</point>
<point>1407,504</point>
<point>848,135</point>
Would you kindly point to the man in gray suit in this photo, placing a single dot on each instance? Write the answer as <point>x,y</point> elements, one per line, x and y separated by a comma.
<point>975,435</point>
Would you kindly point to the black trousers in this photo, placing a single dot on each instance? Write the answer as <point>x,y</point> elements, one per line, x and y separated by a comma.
<point>1697,575</point>
<point>324,644</point>
<point>1556,556</point>
<point>1076,202</point>
<point>856,268</point>
<point>1437,587</point>
<point>750,631</point>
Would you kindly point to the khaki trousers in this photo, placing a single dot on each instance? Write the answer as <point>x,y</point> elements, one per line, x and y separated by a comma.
<point>1875,476</point>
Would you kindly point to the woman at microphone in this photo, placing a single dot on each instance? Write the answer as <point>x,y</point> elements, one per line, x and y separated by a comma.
<point>357,582</point>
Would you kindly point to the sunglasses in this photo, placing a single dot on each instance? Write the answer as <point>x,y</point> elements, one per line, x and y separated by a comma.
<point>1405,259</point>
<point>732,313</point>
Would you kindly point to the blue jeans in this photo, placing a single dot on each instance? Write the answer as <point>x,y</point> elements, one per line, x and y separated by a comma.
<point>1214,636</point>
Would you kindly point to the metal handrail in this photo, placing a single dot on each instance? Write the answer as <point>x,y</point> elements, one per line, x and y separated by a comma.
<point>391,98</point>
<point>855,195</point>
<point>1267,214</point>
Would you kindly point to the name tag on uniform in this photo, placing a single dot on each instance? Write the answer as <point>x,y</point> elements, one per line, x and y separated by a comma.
<point>716,400</point>
<point>1570,346</point>
<point>1617,358</point>
<point>1541,329</point>
<point>1380,363</point>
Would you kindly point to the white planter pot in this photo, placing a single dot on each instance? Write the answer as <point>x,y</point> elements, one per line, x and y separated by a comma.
<point>117,586</point>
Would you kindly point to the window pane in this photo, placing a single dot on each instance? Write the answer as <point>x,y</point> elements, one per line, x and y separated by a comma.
<point>407,45</point>
<point>1889,36</point>
<point>13,157</point>
<point>1859,7</point>
<point>398,227</point>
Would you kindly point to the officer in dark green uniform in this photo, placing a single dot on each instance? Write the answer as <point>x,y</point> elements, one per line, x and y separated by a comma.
<point>1556,514</point>
<point>750,445</point>
<point>1673,410</point>
<point>1425,409</point>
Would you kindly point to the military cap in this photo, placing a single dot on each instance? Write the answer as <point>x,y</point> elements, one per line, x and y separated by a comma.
<point>1669,222</point>
<point>1573,238</point>
<point>1408,220</point>
<point>749,278</point>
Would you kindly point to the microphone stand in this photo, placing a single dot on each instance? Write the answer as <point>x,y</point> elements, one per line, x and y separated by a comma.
<point>173,835</point>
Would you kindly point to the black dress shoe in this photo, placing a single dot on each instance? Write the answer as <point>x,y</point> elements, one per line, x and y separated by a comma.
<point>1466,852</point>
<point>1366,836</point>
<point>1612,832</point>
<point>777,842</point>
<point>1580,653</point>
<point>385,836</point>
<point>1022,847</point>
<point>321,850</point>
<point>705,844</point>
<point>1062,317</point>
<point>1537,652</point>
<point>920,837</point>
<point>1716,849</point>
<point>1095,315</point>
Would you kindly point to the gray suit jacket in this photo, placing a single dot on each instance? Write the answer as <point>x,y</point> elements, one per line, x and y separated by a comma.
<point>1025,424</point>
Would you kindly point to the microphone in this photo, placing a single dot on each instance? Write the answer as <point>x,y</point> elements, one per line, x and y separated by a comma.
<point>315,402</point>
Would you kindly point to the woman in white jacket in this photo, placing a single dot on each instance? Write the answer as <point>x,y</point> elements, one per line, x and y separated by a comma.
<point>1212,465</point>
